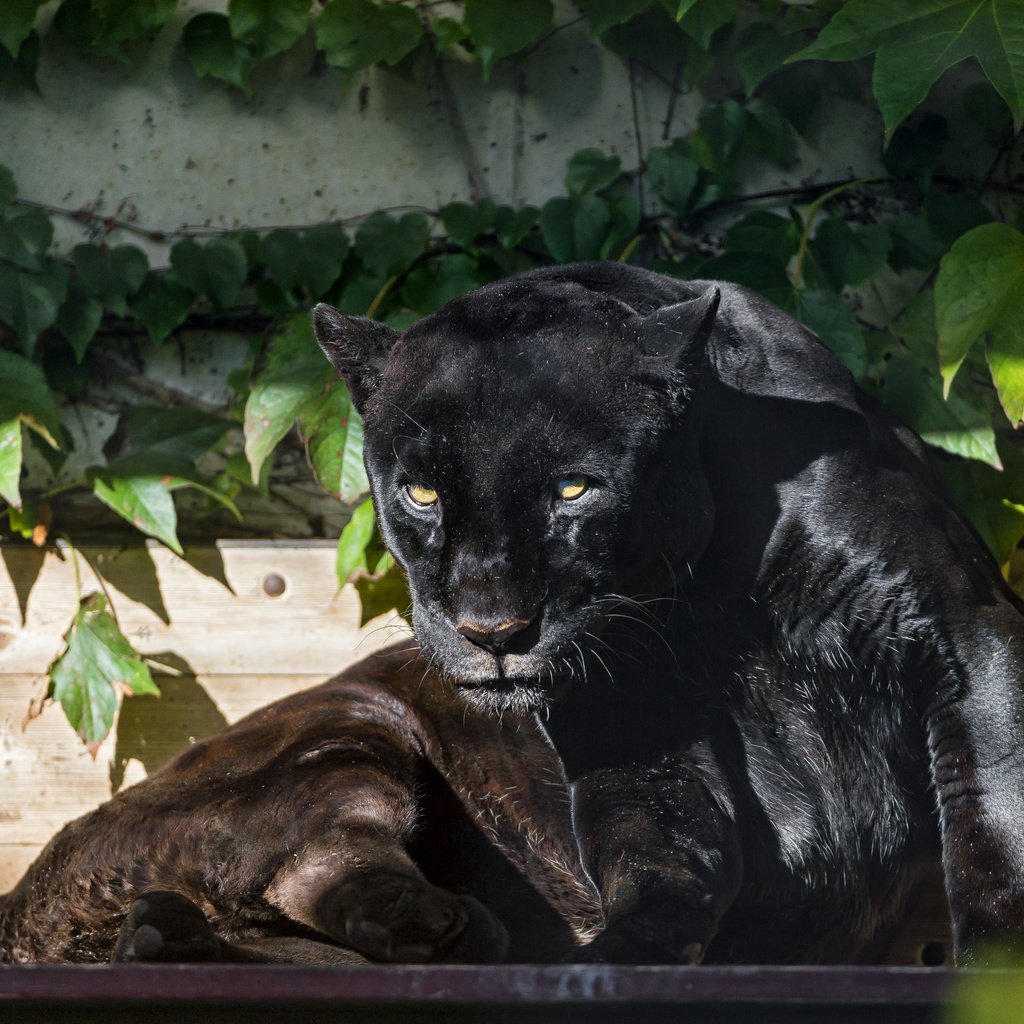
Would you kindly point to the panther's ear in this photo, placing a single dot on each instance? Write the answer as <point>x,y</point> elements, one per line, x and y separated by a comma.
<point>358,348</point>
<point>674,336</point>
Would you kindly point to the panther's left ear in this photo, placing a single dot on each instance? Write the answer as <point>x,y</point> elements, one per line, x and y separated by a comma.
<point>357,348</point>
<point>673,337</point>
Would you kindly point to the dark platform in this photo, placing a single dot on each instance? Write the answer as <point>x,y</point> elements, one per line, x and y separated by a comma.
<point>181,994</point>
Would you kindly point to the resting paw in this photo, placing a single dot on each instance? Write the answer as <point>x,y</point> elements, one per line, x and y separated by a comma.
<point>399,919</point>
<point>165,927</point>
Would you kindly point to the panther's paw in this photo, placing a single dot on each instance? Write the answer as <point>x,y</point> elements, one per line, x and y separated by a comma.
<point>165,927</point>
<point>637,941</point>
<point>395,918</point>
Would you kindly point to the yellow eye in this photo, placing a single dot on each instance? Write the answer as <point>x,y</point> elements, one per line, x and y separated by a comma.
<point>571,487</point>
<point>421,494</point>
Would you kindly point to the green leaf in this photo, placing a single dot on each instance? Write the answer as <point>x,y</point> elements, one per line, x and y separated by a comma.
<point>982,493</point>
<point>98,665</point>
<point>764,232</point>
<point>356,34</point>
<point>589,171</point>
<point>10,461</point>
<point>760,51</point>
<point>311,259</point>
<point>216,269</point>
<point>914,243</point>
<point>950,216</point>
<point>79,318</point>
<point>575,228</point>
<point>797,93</point>
<point>16,20</point>
<point>25,236</point>
<point>25,395</point>
<point>295,374</point>
<point>961,424</point>
<point>111,274</point>
<point>768,133</point>
<point>429,287</point>
<point>464,222</point>
<point>958,425</point>
<point>332,430</point>
<point>145,501</point>
<point>384,591</point>
<point>268,26</point>
<point>603,14</point>
<point>702,19</point>
<point>654,36</point>
<point>168,440</point>
<point>30,302</point>
<point>916,42</point>
<point>985,109</point>
<point>353,542</point>
<point>721,128</point>
<point>847,256</point>
<point>673,172</point>
<point>624,208</point>
<point>20,72</point>
<point>501,27</point>
<point>213,50</point>
<point>448,32</point>
<point>980,290</point>
<point>513,224</point>
<point>914,152</point>
<point>831,319</point>
<point>161,304</point>
<point>390,246</point>
<point>125,20</point>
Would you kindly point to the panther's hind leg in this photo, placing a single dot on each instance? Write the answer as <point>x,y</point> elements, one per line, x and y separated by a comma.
<point>165,927</point>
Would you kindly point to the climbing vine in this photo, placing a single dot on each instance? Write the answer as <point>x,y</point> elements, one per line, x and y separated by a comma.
<point>946,355</point>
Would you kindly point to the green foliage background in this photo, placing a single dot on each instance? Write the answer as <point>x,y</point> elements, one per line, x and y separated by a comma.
<point>949,359</point>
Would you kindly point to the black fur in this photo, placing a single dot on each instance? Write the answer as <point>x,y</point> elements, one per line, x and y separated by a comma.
<point>781,670</point>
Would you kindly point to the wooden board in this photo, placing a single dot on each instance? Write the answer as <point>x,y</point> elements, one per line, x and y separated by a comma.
<point>230,640</point>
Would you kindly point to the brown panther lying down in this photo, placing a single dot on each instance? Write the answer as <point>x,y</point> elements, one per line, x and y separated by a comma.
<point>370,815</point>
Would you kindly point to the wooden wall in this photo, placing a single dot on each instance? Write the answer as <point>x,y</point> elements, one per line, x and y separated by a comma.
<point>230,642</point>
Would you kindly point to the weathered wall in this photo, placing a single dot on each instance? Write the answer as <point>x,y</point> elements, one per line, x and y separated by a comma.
<point>154,144</point>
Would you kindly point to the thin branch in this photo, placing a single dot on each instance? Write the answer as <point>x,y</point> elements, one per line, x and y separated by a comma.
<point>118,373</point>
<point>636,135</point>
<point>84,216</point>
<point>474,177</point>
<point>91,218</point>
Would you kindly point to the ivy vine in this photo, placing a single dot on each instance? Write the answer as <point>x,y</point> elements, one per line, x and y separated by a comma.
<point>949,360</point>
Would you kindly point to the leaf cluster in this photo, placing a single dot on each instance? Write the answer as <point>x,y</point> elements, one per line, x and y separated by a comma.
<point>947,355</point>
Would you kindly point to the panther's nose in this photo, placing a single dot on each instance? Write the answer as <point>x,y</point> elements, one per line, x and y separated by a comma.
<point>491,636</point>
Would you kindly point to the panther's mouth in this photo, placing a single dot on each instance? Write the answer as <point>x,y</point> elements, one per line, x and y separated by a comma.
<point>519,696</point>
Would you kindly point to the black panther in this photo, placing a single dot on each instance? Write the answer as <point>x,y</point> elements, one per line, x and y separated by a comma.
<point>650,525</point>
<point>782,673</point>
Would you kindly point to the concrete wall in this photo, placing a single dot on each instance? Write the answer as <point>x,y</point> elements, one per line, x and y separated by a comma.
<point>153,144</point>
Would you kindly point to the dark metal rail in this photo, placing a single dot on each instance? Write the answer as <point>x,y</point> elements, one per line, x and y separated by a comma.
<point>177,994</point>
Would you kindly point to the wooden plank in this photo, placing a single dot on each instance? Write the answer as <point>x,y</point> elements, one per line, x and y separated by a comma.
<point>235,642</point>
<point>222,618</point>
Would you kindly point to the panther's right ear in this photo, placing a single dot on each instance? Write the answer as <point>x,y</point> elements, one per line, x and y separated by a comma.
<point>357,348</point>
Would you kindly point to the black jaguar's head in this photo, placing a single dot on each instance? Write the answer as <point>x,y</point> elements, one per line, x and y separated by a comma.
<point>529,460</point>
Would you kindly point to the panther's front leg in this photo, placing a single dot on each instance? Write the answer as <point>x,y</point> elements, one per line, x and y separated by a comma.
<point>974,712</point>
<point>661,843</point>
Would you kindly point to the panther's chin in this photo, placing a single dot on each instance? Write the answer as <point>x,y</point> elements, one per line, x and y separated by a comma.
<point>507,696</point>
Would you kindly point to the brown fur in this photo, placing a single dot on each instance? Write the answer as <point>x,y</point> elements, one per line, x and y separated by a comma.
<point>342,815</point>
